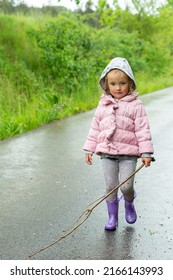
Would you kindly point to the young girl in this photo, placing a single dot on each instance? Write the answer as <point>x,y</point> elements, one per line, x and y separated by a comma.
<point>120,134</point>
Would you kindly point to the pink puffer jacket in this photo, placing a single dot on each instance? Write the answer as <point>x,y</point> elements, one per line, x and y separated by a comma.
<point>119,127</point>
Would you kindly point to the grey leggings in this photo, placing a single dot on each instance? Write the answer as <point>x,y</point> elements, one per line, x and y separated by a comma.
<point>116,171</point>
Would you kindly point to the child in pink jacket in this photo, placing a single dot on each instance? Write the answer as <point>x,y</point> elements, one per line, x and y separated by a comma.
<point>120,134</point>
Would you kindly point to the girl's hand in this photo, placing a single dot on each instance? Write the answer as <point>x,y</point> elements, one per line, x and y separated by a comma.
<point>147,161</point>
<point>88,158</point>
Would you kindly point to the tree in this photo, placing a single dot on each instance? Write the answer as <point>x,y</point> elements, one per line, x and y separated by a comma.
<point>7,6</point>
<point>142,7</point>
<point>76,1</point>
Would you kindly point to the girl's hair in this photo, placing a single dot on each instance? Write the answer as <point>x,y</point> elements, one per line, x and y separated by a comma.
<point>131,82</point>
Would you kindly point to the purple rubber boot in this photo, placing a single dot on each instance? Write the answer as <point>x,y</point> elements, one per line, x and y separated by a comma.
<point>130,212</point>
<point>112,207</point>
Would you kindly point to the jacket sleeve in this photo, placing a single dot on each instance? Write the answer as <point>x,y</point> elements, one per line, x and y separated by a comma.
<point>91,142</point>
<point>142,131</point>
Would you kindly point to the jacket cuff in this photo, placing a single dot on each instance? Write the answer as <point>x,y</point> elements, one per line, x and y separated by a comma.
<point>146,155</point>
<point>88,152</point>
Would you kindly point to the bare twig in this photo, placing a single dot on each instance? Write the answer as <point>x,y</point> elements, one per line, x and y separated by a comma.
<point>85,215</point>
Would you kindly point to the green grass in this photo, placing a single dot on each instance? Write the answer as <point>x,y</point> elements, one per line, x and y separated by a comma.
<point>20,113</point>
<point>29,98</point>
<point>147,83</point>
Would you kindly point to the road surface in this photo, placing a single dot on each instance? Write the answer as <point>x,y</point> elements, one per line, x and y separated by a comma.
<point>45,185</point>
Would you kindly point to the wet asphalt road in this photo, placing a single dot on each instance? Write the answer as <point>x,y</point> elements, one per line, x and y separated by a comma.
<point>45,184</point>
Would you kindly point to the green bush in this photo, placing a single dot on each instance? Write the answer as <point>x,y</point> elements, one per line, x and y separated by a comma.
<point>66,48</point>
<point>50,67</point>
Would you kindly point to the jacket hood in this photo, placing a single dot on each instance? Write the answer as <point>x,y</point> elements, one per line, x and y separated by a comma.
<point>117,63</point>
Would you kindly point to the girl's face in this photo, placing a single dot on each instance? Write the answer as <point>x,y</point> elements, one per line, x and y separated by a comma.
<point>118,84</point>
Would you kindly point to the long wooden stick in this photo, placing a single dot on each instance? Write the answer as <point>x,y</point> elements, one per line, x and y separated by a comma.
<point>85,215</point>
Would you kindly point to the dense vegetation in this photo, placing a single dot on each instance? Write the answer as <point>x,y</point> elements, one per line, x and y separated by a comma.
<point>51,58</point>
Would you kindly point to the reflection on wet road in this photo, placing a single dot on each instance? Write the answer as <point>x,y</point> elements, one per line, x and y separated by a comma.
<point>45,185</point>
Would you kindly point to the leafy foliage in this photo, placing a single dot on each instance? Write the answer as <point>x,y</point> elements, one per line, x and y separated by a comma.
<point>50,65</point>
<point>66,47</point>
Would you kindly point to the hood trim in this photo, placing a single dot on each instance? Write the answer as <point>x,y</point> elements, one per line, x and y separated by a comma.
<point>117,63</point>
